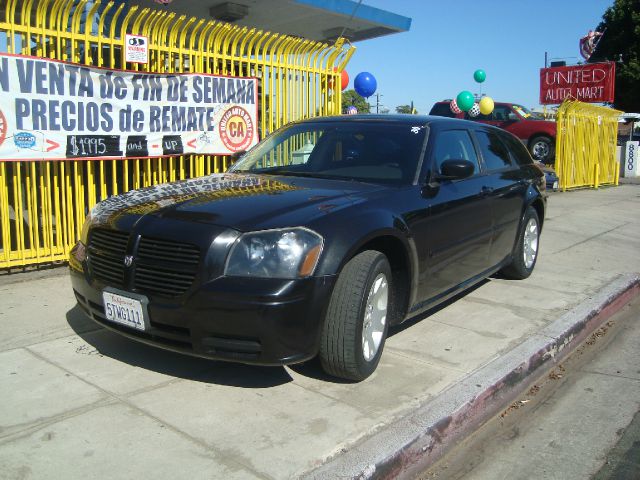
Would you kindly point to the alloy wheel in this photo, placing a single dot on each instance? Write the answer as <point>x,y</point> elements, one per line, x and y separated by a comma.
<point>530,247</point>
<point>375,317</point>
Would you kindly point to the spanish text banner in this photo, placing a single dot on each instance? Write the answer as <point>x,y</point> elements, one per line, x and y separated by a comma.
<point>57,110</point>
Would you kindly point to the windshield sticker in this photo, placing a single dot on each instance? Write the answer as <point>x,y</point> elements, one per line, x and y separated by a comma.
<point>521,111</point>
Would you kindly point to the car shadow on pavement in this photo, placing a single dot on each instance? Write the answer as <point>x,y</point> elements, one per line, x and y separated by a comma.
<point>112,345</point>
<point>313,368</point>
<point>109,344</point>
<point>394,330</point>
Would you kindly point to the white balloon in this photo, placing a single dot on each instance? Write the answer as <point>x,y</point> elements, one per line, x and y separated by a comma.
<point>475,110</point>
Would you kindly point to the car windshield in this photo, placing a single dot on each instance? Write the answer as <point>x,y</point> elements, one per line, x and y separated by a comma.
<point>367,151</point>
<point>523,111</point>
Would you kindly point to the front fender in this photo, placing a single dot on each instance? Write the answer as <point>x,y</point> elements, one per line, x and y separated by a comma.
<point>347,237</point>
<point>534,198</point>
<point>375,230</point>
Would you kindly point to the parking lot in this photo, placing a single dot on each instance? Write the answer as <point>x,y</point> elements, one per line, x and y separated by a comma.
<point>82,402</point>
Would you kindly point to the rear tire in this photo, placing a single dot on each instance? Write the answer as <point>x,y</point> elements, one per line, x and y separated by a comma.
<point>356,324</point>
<point>526,250</point>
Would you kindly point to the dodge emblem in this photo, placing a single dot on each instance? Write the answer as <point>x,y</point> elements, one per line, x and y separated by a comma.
<point>128,261</point>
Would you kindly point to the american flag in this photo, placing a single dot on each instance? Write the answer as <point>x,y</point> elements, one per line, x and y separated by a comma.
<point>588,43</point>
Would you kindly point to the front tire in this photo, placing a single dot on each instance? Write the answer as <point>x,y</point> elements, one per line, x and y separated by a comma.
<point>356,324</point>
<point>542,149</point>
<point>526,250</point>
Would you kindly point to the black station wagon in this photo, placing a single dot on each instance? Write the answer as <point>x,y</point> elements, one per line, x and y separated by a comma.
<point>315,241</point>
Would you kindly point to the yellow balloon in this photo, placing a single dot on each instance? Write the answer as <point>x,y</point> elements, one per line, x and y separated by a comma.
<point>486,105</point>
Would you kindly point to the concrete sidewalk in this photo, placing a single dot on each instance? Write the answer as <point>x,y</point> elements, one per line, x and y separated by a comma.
<point>81,402</point>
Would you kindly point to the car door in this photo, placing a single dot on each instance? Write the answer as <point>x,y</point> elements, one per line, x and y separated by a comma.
<point>506,189</point>
<point>453,239</point>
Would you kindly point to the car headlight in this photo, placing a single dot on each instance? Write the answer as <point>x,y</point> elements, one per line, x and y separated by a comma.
<point>287,253</point>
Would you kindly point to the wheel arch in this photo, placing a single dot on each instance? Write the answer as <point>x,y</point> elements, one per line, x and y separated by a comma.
<point>399,259</point>
<point>538,204</point>
<point>540,133</point>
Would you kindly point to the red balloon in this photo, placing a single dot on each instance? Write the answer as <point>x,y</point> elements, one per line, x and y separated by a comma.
<point>344,79</point>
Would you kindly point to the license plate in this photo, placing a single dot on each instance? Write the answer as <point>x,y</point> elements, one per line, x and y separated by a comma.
<point>124,310</point>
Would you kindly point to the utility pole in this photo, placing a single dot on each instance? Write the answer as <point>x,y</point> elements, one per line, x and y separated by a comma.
<point>378,95</point>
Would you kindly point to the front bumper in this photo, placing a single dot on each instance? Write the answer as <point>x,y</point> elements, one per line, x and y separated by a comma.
<point>248,320</point>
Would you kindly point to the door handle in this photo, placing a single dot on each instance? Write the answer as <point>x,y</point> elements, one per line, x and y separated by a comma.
<point>486,191</point>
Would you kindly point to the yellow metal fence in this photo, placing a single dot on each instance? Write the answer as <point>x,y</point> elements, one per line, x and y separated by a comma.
<point>43,203</point>
<point>586,145</point>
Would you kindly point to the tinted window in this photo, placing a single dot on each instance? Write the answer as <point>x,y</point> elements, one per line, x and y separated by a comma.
<point>501,113</point>
<point>519,152</point>
<point>495,153</point>
<point>442,110</point>
<point>454,145</point>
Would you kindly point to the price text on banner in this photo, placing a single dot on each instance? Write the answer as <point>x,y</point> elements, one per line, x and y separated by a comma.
<point>57,110</point>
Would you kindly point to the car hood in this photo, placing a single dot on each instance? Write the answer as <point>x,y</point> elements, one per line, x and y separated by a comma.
<point>240,201</point>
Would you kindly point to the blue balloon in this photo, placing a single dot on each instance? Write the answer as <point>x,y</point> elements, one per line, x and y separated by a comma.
<point>365,84</point>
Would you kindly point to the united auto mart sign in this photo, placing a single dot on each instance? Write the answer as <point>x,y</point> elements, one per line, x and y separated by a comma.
<point>592,83</point>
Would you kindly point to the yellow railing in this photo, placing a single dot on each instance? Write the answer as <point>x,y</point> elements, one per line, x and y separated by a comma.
<point>586,145</point>
<point>43,203</point>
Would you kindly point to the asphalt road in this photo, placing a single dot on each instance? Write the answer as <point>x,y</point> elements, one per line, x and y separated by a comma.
<point>580,420</point>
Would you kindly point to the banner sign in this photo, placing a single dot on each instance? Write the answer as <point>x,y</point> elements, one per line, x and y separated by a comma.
<point>57,110</point>
<point>591,83</point>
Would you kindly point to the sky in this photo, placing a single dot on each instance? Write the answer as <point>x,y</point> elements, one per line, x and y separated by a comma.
<point>451,39</point>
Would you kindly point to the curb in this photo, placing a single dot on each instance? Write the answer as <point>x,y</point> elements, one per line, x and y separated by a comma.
<point>410,444</point>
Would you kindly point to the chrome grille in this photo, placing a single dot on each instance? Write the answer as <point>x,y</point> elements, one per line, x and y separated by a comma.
<point>107,249</point>
<point>165,267</point>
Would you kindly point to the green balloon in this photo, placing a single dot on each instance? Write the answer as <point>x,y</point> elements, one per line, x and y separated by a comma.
<point>465,100</point>
<point>479,76</point>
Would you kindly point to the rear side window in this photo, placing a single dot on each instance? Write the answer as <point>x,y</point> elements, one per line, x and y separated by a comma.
<point>500,113</point>
<point>503,113</point>
<point>442,110</point>
<point>494,151</point>
<point>454,145</point>
<point>518,151</point>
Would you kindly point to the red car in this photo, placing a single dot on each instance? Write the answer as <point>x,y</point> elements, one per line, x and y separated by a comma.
<point>537,134</point>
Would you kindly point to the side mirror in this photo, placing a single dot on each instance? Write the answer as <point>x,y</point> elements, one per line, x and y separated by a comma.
<point>455,169</point>
<point>512,117</point>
